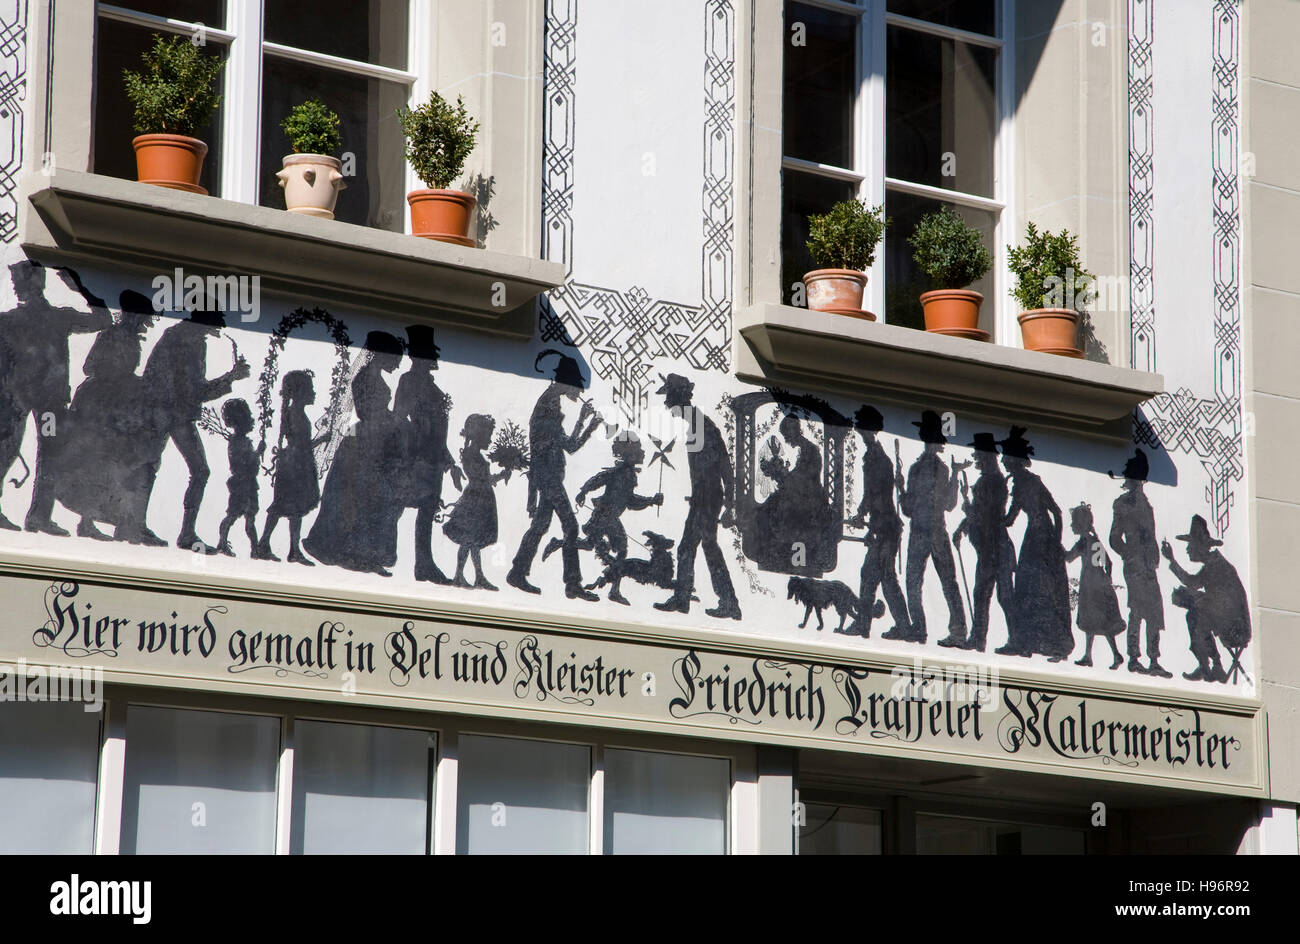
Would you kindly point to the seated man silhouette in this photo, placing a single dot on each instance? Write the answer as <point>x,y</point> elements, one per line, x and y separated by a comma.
<point>1215,601</point>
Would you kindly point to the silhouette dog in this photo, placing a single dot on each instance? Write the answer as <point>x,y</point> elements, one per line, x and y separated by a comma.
<point>819,594</point>
<point>657,571</point>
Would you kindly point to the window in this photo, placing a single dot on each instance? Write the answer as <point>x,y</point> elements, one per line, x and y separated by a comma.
<point>954,835</point>
<point>354,55</point>
<point>840,829</point>
<point>665,803</point>
<point>896,102</point>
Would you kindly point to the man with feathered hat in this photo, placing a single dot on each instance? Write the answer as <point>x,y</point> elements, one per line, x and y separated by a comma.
<point>1214,598</point>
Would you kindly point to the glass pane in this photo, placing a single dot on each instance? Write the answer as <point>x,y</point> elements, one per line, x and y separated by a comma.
<point>821,68</point>
<point>207,12</point>
<point>521,796</point>
<point>802,195</point>
<point>49,758</point>
<point>952,835</point>
<point>665,803</point>
<point>977,16</point>
<point>359,789</point>
<point>840,830</point>
<point>199,782</point>
<point>940,112</point>
<point>372,32</point>
<point>904,283</point>
<point>376,191</point>
<point>120,47</point>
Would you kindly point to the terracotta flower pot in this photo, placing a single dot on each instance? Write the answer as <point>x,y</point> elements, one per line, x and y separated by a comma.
<point>952,310</point>
<point>837,290</point>
<point>444,215</point>
<point>170,160</point>
<point>1051,330</point>
<point>311,184</point>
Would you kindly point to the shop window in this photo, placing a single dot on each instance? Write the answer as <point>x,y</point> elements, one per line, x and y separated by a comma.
<point>49,756</point>
<point>665,803</point>
<point>913,121</point>
<point>954,835</point>
<point>840,829</point>
<point>361,789</point>
<point>351,54</point>
<point>199,782</point>
<point>521,796</point>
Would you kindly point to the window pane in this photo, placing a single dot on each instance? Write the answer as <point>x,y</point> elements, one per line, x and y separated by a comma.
<point>376,193</point>
<point>977,16</point>
<point>372,32</point>
<point>665,803</point>
<point>949,835</point>
<point>941,112</point>
<point>801,195</point>
<point>207,12</point>
<point>517,796</point>
<point>820,85</point>
<point>904,282</point>
<point>840,830</point>
<point>119,47</point>
<point>360,789</point>
<point>199,782</point>
<point>49,757</point>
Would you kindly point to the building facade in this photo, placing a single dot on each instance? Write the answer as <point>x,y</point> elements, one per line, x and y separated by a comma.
<point>591,537</point>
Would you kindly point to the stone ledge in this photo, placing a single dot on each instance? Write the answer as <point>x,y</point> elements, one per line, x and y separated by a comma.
<point>156,229</point>
<point>779,345</point>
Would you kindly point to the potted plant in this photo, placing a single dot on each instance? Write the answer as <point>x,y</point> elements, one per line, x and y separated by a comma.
<point>173,96</point>
<point>843,241</point>
<point>953,256</point>
<point>438,140</point>
<point>1052,287</point>
<point>311,176</point>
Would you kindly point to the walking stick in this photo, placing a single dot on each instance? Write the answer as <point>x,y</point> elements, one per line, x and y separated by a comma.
<point>898,492</point>
<point>961,561</point>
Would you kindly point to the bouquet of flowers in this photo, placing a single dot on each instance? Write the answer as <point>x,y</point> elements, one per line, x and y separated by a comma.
<point>510,449</point>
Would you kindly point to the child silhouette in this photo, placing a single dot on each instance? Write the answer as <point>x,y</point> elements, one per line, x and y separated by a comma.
<point>242,484</point>
<point>1098,613</point>
<point>296,482</point>
<point>473,522</point>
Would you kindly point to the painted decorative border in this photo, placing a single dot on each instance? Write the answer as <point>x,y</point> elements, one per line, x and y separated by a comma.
<point>13,95</point>
<point>1141,191</point>
<point>1208,427</point>
<point>559,81</point>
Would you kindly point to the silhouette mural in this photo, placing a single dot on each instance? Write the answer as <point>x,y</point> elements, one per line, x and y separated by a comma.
<point>136,398</point>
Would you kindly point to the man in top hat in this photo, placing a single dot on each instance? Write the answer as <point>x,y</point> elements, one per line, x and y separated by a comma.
<point>712,494</point>
<point>995,555</point>
<point>1214,598</point>
<point>175,376</point>
<point>1133,538</point>
<point>931,492</point>
<point>548,447</point>
<point>884,529</point>
<point>35,377</point>
<point>421,404</point>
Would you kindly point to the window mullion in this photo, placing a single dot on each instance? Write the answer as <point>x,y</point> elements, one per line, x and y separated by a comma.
<point>870,156</point>
<point>242,103</point>
<point>284,788</point>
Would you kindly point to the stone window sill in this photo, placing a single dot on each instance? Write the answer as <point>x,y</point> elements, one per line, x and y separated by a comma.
<point>155,229</point>
<point>783,346</point>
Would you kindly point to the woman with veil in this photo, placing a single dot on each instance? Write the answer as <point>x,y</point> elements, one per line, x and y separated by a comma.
<point>356,526</point>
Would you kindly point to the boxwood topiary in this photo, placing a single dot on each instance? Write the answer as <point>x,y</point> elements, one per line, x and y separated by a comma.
<point>846,237</point>
<point>438,139</point>
<point>312,128</point>
<point>949,251</point>
<point>175,93</point>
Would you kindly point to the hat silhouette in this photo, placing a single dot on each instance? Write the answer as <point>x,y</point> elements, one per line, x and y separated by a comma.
<point>567,370</point>
<point>135,303</point>
<point>1016,445</point>
<point>868,418</point>
<point>984,442</point>
<point>930,428</point>
<point>1199,533</point>
<point>420,344</point>
<point>675,383</point>
<point>381,342</point>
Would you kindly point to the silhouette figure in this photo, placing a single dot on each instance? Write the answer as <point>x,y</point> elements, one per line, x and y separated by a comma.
<point>603,531</point>
<point>1133,538</point>
<point>791,521</point>
<point>547,498</point>
<point>356,526</point>
<point>99,460</point>
<point>1042,592</point>
<point>711,502</point>
<point>241,487</point>
<point>176,377</point>
<point>421,404</point>
<point>655,571</point>
<point>1215,601</point>
<point>1098,613</point>
<point>985,508</point>
<point>34,341</point>
<point>296,482</point>
<point>878,514</point>
<point>931,492</point>
<point>473,522</point>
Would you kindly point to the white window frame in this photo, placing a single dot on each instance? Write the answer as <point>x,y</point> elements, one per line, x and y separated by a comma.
<point>869,132</point>
<point>742,828</point>
<point>241,111</point>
